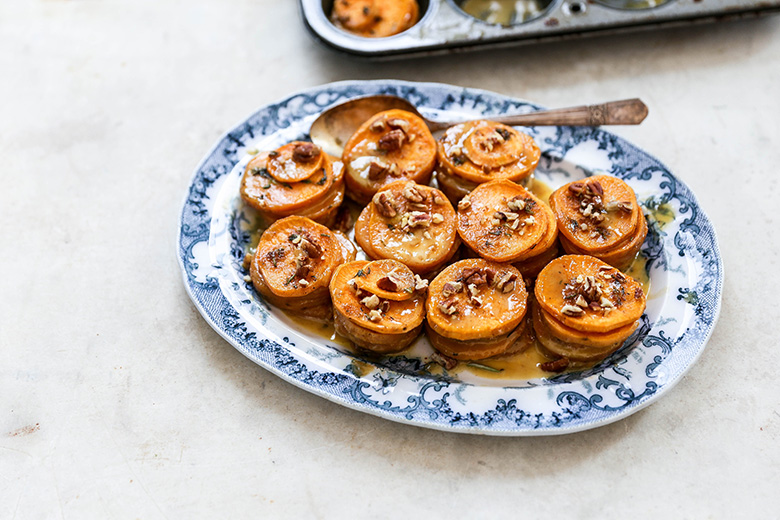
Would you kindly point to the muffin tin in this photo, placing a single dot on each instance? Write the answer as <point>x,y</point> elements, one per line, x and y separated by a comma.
<point>445,27</point>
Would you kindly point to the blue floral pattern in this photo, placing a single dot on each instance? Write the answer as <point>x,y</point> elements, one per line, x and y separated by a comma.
<point>683,262</point>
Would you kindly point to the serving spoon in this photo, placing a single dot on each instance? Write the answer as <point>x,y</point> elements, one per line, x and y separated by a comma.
<point>333,127</point>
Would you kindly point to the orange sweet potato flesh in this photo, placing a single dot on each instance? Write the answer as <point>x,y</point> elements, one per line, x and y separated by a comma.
<point>576,222</point>
<point>400,317</point>
<point>569,276</point>
<point>278,255</point>
<point>267,195</point>
<point>413,224</point>
<point>620,257</point>
<point>398,144</point>
<point>492,225</point>
<point>482,151</point>
<point>388,279</point>
<point>512,343</point>
<point>286,164</point>
<point>496,313</point>
<point>375,18</point>
<point>604,340</point>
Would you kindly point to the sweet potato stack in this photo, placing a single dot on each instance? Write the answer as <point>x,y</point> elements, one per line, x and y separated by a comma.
<point>392,145</point>
<point>294,262</point>
<point>471,153</point>
<point>296,179</point>
<point>379,305</point>
<point>600,216</point>
<point>585,309</point>
<point>503,222</point>
<point>476,309</point>
<point>411,223</point>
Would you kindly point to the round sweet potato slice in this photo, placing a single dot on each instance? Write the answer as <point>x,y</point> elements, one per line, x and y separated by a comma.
<point>482,151</point>
<point>392,145</point>
<point>268,195</point>
<point>504,222</point>
<point>369,311</point>
<point>586,294</point>
<point>476,299</point>
<point>295,162</point>
<point>596,214</point>
<point>413,224</point>
<point>388,279</point>
<point>620,257</point>
<point>296,256</point>
<point>512,343</point>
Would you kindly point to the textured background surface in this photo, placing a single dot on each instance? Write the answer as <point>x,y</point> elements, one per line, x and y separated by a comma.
<point>118,401</point>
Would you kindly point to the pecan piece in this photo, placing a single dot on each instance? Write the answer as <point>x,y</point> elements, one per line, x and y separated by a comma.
<point>412,194</point>
<point>572,310</point>
<point>384,205</point>
<point>559,365</point>
<point>447,362</point>
<point>451,288</point>
<point>377,169</point>
<point>311,249</point>
<point>306,152</point>
<point>387,283</point>
<point>449,307</point>
<point>399,124</point>
<point>391,141</point>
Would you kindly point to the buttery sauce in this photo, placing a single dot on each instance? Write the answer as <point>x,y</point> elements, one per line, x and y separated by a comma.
<point>540,189</point>
<point>504,12</point>
<point>662,214</point>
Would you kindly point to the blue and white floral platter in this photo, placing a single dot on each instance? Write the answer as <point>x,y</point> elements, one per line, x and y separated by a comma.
<point>683,264</point>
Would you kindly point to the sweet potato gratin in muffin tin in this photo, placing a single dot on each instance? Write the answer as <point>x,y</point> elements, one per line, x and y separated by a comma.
<point>385,28</point>
<point>453,239</point>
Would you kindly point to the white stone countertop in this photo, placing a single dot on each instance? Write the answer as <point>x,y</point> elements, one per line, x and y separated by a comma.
<point>118,401</point>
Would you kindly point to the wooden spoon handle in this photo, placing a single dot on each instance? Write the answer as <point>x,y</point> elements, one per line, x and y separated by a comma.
<point>625,112</point>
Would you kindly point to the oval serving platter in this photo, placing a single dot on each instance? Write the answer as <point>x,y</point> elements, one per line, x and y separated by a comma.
<point>682,262</point>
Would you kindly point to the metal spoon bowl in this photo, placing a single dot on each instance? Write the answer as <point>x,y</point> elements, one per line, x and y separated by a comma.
<point>335,126</point>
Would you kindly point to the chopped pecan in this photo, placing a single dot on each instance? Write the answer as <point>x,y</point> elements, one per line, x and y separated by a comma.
<point>490,275</point>
<point>474,277</point>
<point>451,288</point>
<point>576,187</point>
<point>419,219</point>
<point>447,362</point>
<point>420,283</point>
<point>572,310</point>
<point>505,282</point>
<point>384,205</point>
<point>559,365</point>
<point>449,307</point>
<point>306,152</point>
<point>378,126</point>
<point>391,141</point>
<point>378,168</point>
<point>399,124</point>
<point>411,193</point>
<point>387,283</point>
<point>596,188</point>
<point>311,249</point>
<point>464,204</point>
<point>372,302</point>
<point>375,315</point>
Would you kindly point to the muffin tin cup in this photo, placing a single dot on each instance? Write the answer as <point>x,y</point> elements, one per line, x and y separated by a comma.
<point>444,27</point>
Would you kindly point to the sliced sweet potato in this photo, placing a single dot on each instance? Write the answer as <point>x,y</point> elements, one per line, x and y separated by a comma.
<point>348,249</point>
<point>413,224</point>
<point>512,343</point>
<point>368,311</point>
<point>482,151</point>
<point>392,145</point>
<point>597,340</point>
<point>503,222</point>
<point>620,257</point>
<point>586,294</point>
<point>476,299</point>
<point>268,195</point>
<point>531,267</point>
<point>388,279</point>
<point>295,162</point>
<point>596,214</point>
<point>296,256</point>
